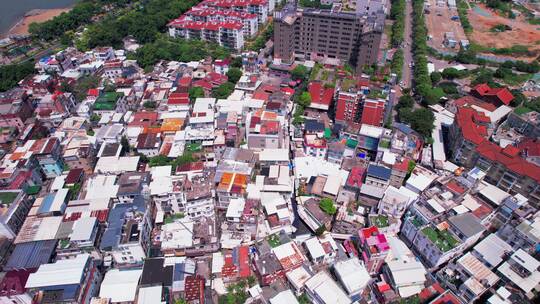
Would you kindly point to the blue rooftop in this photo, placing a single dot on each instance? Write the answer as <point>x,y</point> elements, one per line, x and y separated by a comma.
<point>379,172</point>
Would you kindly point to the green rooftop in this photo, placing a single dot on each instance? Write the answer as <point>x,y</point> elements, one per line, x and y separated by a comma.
<point>195,147</point>
<point>8,197</point>
<point>107,101</point>
<point>273,240</point>
<point>384,144</point>
<point>351,143</point>
<point>442,239</point>
<point>327,133</point>
<point>173,217</point>
<point>380,221</point>
<point>32,190</point>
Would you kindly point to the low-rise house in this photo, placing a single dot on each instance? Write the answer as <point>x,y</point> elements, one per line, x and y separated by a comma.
<point>468,277</point>
<point>353,276</point>
<point>376,182</point>
<point>120,286</point>
<point>521,270</point>
<point>315,146</point>
<point>267,266</point>
<point>322,289</point>
<point>148,144</point>
<point>321,249</point>
<point>127,236</point>
<point>72,280</point>
<point>374,248</point>
<point>310,212</point>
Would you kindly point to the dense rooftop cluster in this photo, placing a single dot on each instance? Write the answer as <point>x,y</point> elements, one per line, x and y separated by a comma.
<point>238,180</point>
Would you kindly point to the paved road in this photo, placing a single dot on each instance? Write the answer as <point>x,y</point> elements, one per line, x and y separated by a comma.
<point>407,49</point>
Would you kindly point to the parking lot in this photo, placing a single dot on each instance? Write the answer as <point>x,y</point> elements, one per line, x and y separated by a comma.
<point>439,21</point>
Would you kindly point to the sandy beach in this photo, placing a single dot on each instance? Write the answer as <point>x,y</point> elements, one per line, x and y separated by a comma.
<point>37,15</point>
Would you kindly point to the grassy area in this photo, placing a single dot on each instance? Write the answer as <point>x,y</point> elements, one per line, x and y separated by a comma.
<point>8,197</point>
<point>273,240</point>
<point>442,239</point>
<point>516,79</point>
<point>522,110</point>
<point>171,218</point>
<point>380,221</point>
<point>384,144</point>
<point>33,190</point>
<point>194,147</point>
<point>347,83</point>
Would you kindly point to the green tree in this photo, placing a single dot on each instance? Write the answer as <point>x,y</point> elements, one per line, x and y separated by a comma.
<point>327,205</point>
<point>223,91</point>
<point>125,144</point>
<point>420,120</point>
<point>160,160</point>
<point>304,99</point>
<point>11,74</point>
<point>433,96</point>
<point>236,62</point>
<point>435,77</point>
<point>234,74</point>
<point>320,231</point>
<point>405,101</point>
<point>95,117</point>
<point>150,104</point>
<point>300,72</point>
<point>195,92</point>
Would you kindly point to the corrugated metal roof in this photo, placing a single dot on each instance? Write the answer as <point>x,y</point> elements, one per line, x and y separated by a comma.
<point>30,255</point>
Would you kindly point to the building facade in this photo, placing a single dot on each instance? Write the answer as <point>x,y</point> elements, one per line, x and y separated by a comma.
<point>324,34</point>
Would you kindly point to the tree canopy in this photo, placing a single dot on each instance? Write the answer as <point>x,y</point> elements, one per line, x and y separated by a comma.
<point>179,50</point>
<point>223,91</point>
<point>300,72</point>
<point>11,74</point>
<point>327,205</point>
<point>234,74</point>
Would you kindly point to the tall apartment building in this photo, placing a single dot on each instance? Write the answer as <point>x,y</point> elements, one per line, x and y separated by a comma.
<point>318,34</point>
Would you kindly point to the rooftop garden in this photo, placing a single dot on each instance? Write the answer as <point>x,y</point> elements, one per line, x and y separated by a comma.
<point>32,190</point>
<point>442,239</point>
<point>8,197</point>
<point>107,101</point>
<point>384,144</point>
<point>327,206</point>
<point>273,240</point>
<point>171,218</point>
<point>380,221</point>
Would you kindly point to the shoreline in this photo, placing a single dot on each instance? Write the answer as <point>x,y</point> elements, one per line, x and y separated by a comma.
<point>35,15</point>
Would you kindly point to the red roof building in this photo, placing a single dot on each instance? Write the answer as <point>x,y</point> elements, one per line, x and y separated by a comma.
<point>356,177</point>
<point>373,112</point>
<point>194,289</point>
<point>321,96</point>
<point>178,99</point>
<point>348,108</point>
<point>496,96</point>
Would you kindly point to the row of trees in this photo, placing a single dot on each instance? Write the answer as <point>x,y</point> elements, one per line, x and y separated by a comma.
<point>81,13</point>
<point>262,38</point>
<point>11,74</point>
<point>397,63</point>
<point>301,98</point>
<point>462,8</point>
<point>397,13</point>
<point>424,87</point>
